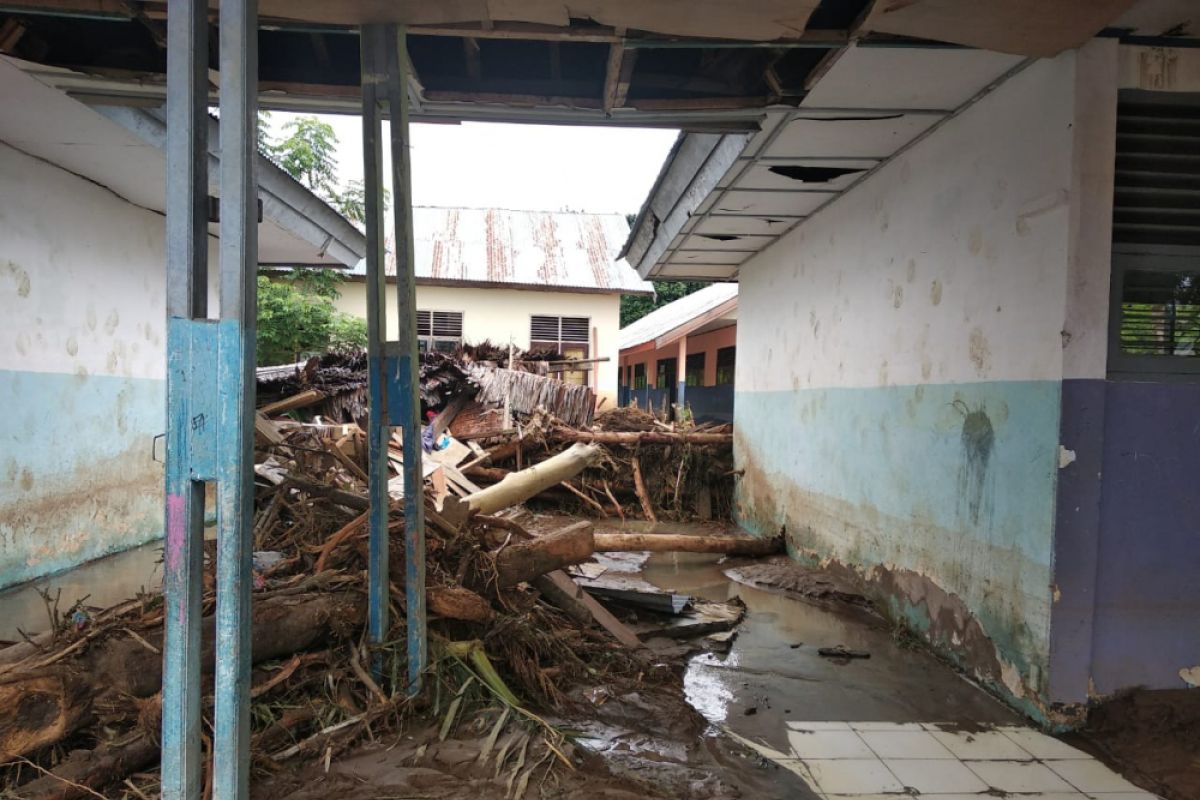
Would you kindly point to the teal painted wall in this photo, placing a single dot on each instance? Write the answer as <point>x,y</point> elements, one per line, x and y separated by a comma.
<point>951,482</point>
<point>80,480</point>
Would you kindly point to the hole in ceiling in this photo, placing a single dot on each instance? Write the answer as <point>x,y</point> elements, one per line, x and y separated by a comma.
<point>812,174</point>
<point>720,237</point>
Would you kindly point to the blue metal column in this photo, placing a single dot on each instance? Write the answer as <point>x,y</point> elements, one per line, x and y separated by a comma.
<point>373,66</point>
<point>187,412</point>
<point>235,381</point>
<point>408,402</point>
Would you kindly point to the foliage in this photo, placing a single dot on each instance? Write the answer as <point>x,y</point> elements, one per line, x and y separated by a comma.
<point>297,317</point>
<point>634,307</point>
<point>308,153</point>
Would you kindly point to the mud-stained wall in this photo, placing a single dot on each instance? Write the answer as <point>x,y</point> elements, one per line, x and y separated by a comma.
<point>899,376</point>
<point>498,314</point>
<point>81,369</point>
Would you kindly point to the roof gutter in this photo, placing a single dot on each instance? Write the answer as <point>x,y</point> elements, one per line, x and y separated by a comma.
<point>286,201</point>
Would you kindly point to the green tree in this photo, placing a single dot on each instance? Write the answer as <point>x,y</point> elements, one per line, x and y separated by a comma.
<point>634,307</point>
<point>308,153</point>
<point>297,317</point>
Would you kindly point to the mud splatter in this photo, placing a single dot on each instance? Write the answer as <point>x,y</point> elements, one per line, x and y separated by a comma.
<point>977,438</point>
<point>935,292</point>
<point>111,322</point>
<point>979,351</point>
<point>20,278</point>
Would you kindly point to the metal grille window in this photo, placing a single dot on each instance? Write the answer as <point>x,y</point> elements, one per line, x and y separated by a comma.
<point>694,374</point>
<point>567,335</point>
<point>667,371</point>
<point>439,330</point>
<point>1156,325</point>
<point>726,358</point>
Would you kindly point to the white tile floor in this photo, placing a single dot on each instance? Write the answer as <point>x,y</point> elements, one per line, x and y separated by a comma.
<point>875,760</point>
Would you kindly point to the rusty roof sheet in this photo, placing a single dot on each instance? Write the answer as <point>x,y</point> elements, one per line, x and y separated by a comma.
<point>531,249</point>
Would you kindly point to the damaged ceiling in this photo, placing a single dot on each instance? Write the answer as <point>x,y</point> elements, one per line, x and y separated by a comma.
<point>697,64</point>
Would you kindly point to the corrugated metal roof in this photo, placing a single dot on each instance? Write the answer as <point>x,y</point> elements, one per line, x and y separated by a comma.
<point>534,249</point>
<point>666,319</point>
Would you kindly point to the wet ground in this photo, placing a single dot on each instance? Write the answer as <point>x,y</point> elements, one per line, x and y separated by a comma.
<point>771,718</point>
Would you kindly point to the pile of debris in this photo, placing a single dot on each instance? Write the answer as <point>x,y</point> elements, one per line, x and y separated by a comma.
<point>511,630</point>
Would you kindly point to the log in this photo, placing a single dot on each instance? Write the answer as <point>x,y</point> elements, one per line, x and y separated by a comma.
<point>686,543</point>
<point>93,769</point>
<point>456,602</point>
<point>518,487</point>
<point>639,484</point>
<point>522,562</point>
<point>115,668</point>
<point>560,589</point>
<point>632,438</point>
<point>306,398</point>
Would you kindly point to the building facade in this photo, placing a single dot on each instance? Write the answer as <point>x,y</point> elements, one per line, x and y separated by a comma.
<point>968,370</point>
<point>698,331</point>
<point>535,279</point>
<point>82,285</point>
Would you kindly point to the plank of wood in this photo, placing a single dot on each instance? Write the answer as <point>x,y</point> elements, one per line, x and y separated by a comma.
<point>306,398</point>
<point>558,587</point>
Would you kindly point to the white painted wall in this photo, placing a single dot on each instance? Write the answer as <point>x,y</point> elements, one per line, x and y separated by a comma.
<point>82,280</point>
<point>922,309</point>
<point>498,314</point>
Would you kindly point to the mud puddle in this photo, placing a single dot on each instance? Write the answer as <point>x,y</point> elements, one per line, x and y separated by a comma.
<point>773,672</point>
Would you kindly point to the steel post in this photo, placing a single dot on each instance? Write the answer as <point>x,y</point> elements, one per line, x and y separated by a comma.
<point>235,379</point>
<point>373,63</point>
<point>408,403</point>
<point>187,301</point>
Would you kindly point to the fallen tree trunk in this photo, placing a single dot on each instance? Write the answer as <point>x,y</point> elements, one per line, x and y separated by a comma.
<point>92,769</point>
<point>524,561</point>
<point>684,543</point>
<point>517,487</point>
<point>61,697</point>
<point>638,437</point>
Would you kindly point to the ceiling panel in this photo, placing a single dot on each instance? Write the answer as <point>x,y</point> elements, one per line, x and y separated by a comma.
<point>876,137</point>
<point>804,174</point>
<point>744,225</point>
<point>725,241</point>
<point>907,77</point>
<point>699,271</point>
<point>684,257</point>
<point>765,203</point>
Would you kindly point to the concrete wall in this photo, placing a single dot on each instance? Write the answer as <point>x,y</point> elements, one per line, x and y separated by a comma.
<point>899,376</point>
<point>498,314</point>
<point>1128,516</point>
<point>81,369</point>
<point>709,402</point>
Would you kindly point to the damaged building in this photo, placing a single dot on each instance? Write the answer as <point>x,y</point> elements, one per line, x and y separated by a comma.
<point>960,242</point>
<point>967,347</point>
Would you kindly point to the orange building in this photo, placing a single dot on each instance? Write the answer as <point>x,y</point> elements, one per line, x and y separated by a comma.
<point>683,353</point>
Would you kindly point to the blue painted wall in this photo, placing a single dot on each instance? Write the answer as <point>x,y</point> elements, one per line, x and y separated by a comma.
<point>80,478</point>
<point>948,487</point>
<point>1147,623</point>
<point>711,403</point>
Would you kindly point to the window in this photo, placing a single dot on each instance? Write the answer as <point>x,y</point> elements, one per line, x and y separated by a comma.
<point>667,371</point>
<point>694,374</point>
<point>639,376</point>
<point>726,357</point>
<point>439,330</point>
<point>1156,314</point>
<point>569,336</point>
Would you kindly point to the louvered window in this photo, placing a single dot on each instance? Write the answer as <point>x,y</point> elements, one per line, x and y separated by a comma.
<point>1155,312</point>
<point>569,336</point>
<point>439,330</point>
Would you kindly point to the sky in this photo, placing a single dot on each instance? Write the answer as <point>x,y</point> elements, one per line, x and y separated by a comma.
<point>526,167</point>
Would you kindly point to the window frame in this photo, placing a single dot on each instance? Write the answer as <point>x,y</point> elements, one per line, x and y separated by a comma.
<point>562,343</point>
<point>639,375</point>
<point>732,366</point>
<point>694,365</point>
<point>1149,258</point>
<point>428,342</point>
